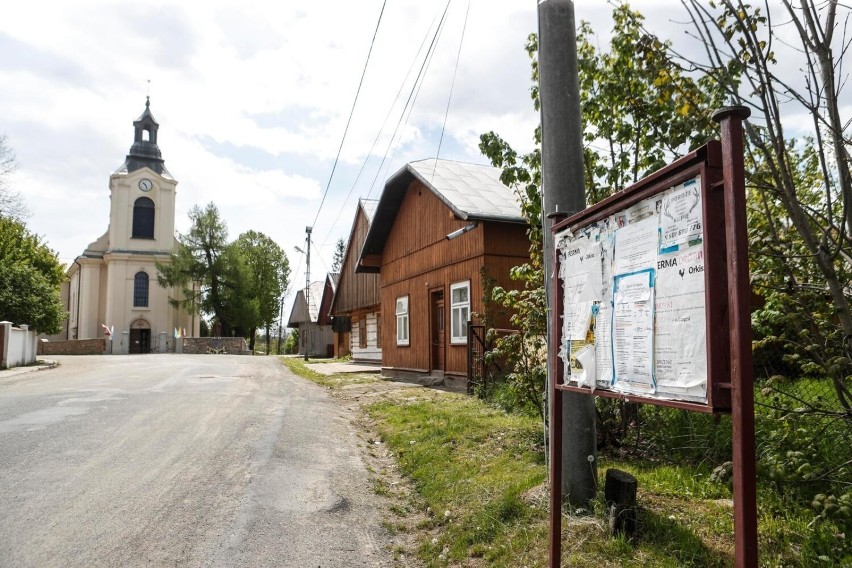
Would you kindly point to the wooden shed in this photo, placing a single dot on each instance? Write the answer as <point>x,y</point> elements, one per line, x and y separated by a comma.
<point>440,229</point>
<point>356,305</point>
<point>315,335</point>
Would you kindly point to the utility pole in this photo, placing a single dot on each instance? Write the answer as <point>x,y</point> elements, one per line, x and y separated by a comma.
<point>308,291</point>
<point>280,321</point>
<point>563,193</point>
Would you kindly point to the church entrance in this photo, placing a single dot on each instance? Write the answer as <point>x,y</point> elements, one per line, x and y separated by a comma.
<point>140,337</point>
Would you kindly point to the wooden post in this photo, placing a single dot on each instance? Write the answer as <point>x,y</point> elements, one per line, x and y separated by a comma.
<point>620,497</point>
<point>739,313</point>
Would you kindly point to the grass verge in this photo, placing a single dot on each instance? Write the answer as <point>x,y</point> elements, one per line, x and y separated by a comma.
<point>479,475</point>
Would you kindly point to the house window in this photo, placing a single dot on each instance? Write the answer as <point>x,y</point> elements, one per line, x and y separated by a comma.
<point>140,290</point>
<point>402,320</point>
<point>460,311</point>
<point>143,219</point>
<point>362,333</point>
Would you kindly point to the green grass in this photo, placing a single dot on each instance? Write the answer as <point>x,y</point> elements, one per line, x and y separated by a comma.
<point>339,380</point>
<point>478,473</point>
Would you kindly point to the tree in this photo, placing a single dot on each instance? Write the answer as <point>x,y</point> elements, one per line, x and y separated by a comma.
<point>209,273</point>
<point>803,189</point>
<point>12,204</point>
<point>339,253</point>
<point>30,277</point>
<point>270,270</point>
<point>637,115</point>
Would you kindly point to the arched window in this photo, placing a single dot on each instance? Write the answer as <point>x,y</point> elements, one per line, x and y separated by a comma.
<point>140,290</point>
<point>143,219</point>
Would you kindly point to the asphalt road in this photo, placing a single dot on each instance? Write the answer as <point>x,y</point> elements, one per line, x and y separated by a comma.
<point>180,460</point>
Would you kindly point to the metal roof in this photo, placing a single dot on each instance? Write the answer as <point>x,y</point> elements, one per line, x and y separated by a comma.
<point>472,191</point>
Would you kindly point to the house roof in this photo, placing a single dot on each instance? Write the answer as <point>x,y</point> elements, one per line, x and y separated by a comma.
<point>473,192</point>
<point>298,313</point>
<point>353,247</point>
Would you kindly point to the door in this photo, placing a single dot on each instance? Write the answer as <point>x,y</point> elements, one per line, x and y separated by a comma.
<point>140,340</point>
<point>438,334</point>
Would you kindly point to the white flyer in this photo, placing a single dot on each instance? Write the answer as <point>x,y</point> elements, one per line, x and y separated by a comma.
<point>680,215</point>
<point>633,331</point>
<point>681,338</point>
<point>636,246</point>
<point>581,275</point>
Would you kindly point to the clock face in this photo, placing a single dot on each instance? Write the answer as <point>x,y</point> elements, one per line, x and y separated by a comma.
<point>145,184</point>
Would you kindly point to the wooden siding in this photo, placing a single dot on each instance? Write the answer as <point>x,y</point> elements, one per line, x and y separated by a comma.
<point>355,291</point>
<point>418,260</point>
<point>372,352</point>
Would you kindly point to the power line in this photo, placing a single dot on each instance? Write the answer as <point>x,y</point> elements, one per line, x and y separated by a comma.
<point>415,89</point>
<point>452,86</point>
<point>396,145</point>
<point>381,130</point>
<point>351,112</point>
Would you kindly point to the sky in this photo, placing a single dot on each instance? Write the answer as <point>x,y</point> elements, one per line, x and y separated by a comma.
<point>253,98</point>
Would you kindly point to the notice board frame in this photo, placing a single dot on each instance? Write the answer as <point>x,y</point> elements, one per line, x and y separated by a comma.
<point>729,154</point>
<point>706,163</point>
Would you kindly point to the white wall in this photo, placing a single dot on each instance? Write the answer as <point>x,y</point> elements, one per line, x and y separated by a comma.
<point>19,345</point>
<point>372,352</point>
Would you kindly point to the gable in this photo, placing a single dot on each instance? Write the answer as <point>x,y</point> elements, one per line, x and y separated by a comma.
<point>356,290</point>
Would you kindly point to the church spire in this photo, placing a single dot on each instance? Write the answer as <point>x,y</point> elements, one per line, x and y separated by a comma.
<point>144,151</point>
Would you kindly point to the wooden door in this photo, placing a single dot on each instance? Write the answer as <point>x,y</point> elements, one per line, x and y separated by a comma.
<point>140,341</point>
<point>438,334</point>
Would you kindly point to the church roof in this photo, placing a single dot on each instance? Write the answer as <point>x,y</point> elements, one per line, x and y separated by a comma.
<point>144,152</point>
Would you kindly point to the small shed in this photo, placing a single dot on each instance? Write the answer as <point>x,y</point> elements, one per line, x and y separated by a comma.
<point>441,233</point>
<point>356,307</point>
<point>315,335</point>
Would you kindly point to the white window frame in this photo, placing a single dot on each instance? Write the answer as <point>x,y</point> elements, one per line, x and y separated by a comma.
<point>459,336</point>
<point>402,321</point>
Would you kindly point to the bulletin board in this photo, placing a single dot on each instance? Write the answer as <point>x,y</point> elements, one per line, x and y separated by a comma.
<point>641,290</point>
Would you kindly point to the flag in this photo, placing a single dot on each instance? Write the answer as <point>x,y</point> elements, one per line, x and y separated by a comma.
<point>184,332</point>
<point>112,330</point>
<point>107,330</point>
<point>177,333</point>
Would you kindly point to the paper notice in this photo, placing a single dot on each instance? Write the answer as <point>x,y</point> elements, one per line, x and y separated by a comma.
<point>586,358</point>
<point>603,345</point>
<point>636,246</point>
<point>633,332</point>
<point>680,215</point>
<point>581,274</point>
<point>680,347</point>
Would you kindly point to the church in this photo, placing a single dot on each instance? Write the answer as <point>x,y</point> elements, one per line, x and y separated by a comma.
<point>112,288</point>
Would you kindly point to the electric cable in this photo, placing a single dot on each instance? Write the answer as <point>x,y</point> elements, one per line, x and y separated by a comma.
<point>452,86</point>
<point>351,113</point>
<point>415,88</point>
<point>381,130</point>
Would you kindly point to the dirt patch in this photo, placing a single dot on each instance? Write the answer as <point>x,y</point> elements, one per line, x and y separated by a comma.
<point>403,511</point>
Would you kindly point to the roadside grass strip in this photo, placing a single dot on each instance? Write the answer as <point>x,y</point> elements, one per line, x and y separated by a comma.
<point>479,495</point>
<point>335,381</point>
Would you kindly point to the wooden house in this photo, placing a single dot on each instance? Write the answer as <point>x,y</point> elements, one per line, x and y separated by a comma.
<point>315,335</point>
<point>356,306</point>
<point>441,228</point>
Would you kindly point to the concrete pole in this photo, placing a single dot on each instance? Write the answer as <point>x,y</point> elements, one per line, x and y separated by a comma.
<point>563,191</point>
<point>308,294</point>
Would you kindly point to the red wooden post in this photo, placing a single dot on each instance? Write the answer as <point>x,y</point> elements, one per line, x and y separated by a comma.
<point>555,427</point>
<point>739,310</point>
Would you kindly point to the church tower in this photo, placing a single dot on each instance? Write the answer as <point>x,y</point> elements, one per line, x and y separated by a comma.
<point>114,282</point>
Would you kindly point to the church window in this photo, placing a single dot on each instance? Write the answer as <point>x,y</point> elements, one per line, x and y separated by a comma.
<point>140,290</point>
<point>143,219</point>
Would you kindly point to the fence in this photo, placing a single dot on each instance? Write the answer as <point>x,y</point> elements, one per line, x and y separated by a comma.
<point>18,345</point>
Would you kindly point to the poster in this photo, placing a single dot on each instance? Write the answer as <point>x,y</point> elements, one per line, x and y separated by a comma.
<point>633,332</point>
<point>634,320</point>
<point>681,330</point>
